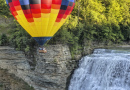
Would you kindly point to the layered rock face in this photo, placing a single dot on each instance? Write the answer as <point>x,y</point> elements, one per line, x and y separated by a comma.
<point>50,71</point>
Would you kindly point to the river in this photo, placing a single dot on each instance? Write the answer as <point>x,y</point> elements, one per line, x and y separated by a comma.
<point>105,69</point>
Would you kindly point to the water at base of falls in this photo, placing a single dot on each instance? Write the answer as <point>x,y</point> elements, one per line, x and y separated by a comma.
<point>103,70</point>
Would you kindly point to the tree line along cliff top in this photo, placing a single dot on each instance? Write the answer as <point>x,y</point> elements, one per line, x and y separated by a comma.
<point>106,21</point>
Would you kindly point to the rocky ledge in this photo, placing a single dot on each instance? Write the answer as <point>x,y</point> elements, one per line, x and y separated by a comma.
<point>50,72</point>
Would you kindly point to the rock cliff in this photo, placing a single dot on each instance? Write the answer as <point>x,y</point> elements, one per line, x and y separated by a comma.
<point>50,71</point>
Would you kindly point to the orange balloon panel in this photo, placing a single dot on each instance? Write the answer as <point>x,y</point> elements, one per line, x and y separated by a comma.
<point>41,18</point>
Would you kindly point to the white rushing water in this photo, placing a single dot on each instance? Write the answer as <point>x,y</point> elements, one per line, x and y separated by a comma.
<point>103,70</point>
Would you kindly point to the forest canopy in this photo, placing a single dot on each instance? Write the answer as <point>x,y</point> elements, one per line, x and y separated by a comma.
<point>106,21</point>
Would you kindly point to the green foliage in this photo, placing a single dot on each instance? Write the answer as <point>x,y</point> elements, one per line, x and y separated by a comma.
<point>3,40</point>
<point>4,8</point>
<point>105,21</point>
<point>21,40</point>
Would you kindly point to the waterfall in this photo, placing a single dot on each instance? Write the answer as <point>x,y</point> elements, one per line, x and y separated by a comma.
<point>103,70</point>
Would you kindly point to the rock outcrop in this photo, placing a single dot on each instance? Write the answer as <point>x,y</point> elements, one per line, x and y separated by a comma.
<point>50,71</point>
<point>11,62</point>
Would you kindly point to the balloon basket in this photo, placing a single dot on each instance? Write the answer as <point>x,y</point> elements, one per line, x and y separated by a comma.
<point>42,51</point>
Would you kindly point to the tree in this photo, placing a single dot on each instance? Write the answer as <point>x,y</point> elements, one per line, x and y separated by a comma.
<point>3,40</point>
<point>4,8</point>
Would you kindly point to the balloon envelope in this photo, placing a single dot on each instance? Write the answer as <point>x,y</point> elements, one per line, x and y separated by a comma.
<point>41,18</point>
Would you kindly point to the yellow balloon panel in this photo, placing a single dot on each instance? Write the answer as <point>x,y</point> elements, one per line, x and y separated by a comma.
<point>41,18</point>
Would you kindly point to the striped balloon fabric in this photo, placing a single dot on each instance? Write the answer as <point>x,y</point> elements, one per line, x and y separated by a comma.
<point>41,18</point>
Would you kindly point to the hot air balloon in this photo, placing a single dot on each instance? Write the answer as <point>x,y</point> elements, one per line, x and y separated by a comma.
<point>41,18</point>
